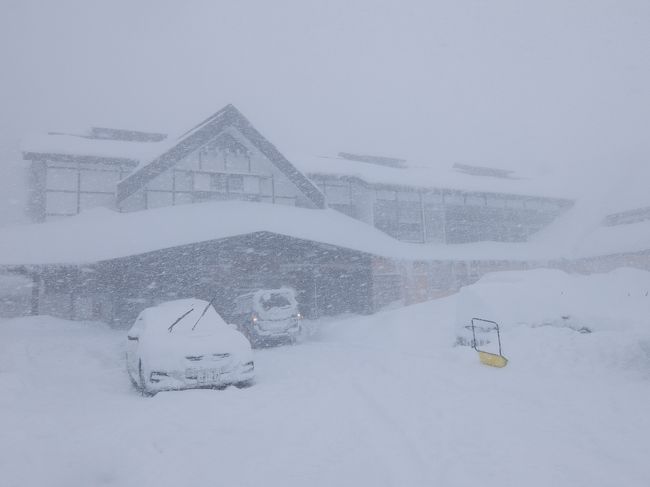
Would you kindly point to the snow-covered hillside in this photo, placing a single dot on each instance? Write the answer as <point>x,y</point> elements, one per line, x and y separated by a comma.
<point>378,400</point>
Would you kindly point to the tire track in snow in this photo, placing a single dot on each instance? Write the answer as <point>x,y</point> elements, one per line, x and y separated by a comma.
<point>400,453</point>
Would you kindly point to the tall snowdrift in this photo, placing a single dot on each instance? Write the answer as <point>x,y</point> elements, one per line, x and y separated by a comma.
<point>618,300</point>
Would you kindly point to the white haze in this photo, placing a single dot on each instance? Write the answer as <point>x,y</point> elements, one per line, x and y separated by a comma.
<point>553,87</point>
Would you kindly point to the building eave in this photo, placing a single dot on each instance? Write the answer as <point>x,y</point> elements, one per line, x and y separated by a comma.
<point>85,159</point>
<point>566,202</point>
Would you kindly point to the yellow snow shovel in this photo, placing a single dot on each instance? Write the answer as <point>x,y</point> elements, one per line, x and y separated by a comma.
<point>488,358</point>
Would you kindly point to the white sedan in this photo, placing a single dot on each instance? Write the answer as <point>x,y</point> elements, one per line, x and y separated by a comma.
<point>185,344</point>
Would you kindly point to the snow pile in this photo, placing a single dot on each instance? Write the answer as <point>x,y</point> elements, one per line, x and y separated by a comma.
<point>618,300</point>
<point>41,355</point>
<point>595,321</point>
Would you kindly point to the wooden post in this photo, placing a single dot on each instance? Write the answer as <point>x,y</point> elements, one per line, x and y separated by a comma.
<point>36,291</point>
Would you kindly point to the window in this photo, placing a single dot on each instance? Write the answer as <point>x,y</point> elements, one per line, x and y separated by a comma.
<point>236,184</point>
<point>236,162</point>
<point>157,199</point>
<point>190,162</point>
<point>251,185</point>
<point>408,196</point>
<point>432,198</point>
<point>410,212</point>
<point>400,218</point>
<point>103,181</point>
<point>220,183</point>
<point>183,181</point>
<point>61,203</point>
<point>496,201</point>
<point>386,216</point>
<point>202,182</point>
<point>410,232</point>
<point>475,200</point>
<point>454,199</point>
<point>162,182</point>
<point>410,221</point>
<point>92,200</point>
<point>515,203</point>
<point>383,194</point>
<point>62,179</point>
<point>266,187</point>
<point>283,188</point>
<point>534,204</point>
<point>182,198</point>
<point>212,160</point>
<point>337,193</point>
<point>275,300</point>
<point>434,220</point>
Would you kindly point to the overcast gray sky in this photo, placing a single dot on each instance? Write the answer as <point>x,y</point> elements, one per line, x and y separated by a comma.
<point>546,84</point>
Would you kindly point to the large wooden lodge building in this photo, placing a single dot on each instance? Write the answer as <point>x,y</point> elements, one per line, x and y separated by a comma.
<point>352,233</point>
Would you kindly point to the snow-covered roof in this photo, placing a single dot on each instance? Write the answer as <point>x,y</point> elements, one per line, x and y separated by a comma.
<point>203,133</point>
<point>582,232</point>
<point>101,234</point>
<point>75,145</point>
<point>423,176</point>
<point>629,216</point>
<point>151,157</point>
<point>619,239</point>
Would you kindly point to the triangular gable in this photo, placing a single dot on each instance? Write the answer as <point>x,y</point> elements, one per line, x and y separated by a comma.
<point>207,131</point>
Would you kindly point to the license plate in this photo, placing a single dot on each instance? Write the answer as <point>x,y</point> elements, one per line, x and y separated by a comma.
<point>206,376</point>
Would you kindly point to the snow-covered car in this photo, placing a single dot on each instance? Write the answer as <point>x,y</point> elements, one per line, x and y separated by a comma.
<point>268,317</point>
<point>185,344</point>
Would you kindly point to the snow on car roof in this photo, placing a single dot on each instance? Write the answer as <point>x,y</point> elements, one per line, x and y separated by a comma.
<point>102,234</point>
<point>426,177</point>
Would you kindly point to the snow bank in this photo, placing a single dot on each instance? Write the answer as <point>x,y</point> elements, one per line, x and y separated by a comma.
<point>618,300</point>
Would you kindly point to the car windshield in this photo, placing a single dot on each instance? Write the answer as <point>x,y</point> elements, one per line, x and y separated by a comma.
<point>274,300</point>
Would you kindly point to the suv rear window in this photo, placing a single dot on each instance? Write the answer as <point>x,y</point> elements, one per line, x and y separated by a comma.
<point>274,301</point>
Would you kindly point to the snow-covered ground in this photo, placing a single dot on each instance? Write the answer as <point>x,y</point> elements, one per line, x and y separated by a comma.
<point>379,400</point>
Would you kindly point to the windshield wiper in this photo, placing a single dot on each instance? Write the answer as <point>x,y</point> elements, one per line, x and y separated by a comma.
<point>179,319</point>
<point>204,311</point>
